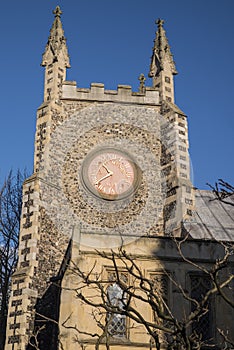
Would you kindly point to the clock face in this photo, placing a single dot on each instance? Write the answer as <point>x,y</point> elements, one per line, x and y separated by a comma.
<point>110,174</point>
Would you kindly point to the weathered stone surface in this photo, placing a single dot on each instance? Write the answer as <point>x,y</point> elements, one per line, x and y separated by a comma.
<point>64,222</point>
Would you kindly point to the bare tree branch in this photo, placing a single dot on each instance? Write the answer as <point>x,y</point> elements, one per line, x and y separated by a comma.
<point>166,328</point>
<point>222,191</point>
<point>10,211</point>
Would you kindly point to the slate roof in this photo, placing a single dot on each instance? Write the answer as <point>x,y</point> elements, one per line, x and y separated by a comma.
<point>212,218</point>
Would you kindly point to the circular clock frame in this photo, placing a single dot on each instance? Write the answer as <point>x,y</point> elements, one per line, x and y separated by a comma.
<point>110,174</point>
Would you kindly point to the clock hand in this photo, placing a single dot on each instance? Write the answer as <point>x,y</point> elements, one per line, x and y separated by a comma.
<point>104,177</point>
<point>104,166</point>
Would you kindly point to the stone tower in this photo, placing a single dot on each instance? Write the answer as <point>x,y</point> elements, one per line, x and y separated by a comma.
<point>162,68</point>
<point>111,167</point>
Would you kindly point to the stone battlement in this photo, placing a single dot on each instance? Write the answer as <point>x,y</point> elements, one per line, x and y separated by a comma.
<point>97,92</point>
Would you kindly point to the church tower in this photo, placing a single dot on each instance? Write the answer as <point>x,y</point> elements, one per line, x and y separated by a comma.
<point>111,168</point>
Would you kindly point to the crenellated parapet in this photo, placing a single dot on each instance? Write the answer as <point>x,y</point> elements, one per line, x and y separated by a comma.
<point>97,92</point>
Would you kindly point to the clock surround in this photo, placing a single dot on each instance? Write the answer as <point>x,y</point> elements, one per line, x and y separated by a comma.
<point>125,128</point>
<point>110,174</point>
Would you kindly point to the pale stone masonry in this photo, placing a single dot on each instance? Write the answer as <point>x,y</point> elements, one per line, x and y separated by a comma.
<point>97,92</point>
<point>62,220</point>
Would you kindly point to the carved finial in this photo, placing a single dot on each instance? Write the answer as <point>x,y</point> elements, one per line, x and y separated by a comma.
<point>142,80</point>
<point>57,12</point>
<point>159,22</point>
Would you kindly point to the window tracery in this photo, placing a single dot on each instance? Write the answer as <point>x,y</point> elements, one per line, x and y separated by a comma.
<point>200,285</point>
<point>116,321</point>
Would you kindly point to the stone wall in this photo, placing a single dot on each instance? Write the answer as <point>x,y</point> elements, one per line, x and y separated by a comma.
<point>57,205</point>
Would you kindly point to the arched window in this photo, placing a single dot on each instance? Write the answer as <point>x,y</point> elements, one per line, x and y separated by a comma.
<point>116,322</point>
<point>203,326</point>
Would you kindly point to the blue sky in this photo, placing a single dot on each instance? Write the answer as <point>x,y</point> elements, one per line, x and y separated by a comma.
<point>111,41</point>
